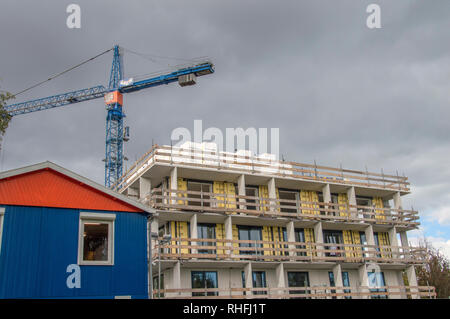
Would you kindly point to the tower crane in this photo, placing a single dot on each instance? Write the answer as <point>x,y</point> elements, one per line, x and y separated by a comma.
<point>113,97</point>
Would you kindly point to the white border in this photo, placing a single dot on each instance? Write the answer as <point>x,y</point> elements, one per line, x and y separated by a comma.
<point>103,218</point>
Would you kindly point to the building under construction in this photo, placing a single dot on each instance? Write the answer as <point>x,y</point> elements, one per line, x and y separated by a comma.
<point>232,225</point>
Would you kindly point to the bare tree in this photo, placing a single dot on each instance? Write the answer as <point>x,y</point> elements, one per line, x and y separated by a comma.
<point>5,118</point>
<point>436,271</point>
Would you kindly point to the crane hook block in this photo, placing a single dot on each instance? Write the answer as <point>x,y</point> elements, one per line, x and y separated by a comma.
<point>113,98</point>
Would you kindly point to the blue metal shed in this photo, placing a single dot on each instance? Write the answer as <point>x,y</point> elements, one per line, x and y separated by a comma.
<point>56,241</point>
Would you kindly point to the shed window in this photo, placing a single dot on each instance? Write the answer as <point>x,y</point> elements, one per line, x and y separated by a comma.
<point>96,241</point>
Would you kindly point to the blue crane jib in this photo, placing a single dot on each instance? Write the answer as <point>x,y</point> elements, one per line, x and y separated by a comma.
<point>114,103</point>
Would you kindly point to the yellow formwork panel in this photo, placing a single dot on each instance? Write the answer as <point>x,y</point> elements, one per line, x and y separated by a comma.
<point>220,234</point>
<point>263,194</point>
<point>343,204</point>
<point>309,238</point>
<point>378,203</point>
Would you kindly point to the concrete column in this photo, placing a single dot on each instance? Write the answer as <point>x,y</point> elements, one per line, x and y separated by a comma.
<point>404,244</point>
<point>404,239</point>
<point>412,280</point>
<point>318,237</point>
<point>194,233</point>
<point>337,272</point>
<point>241,191</point>
<point>370,239</point>
<point>248,273</point>
<point>176,277</point>
<point>352,201</point>
<point>132,192</point>
<point>394,242</point>
<point>145,186</point>
<point>272,193</point>
<point>290,231</point>
<point>326,193</point>
<point>229,233</point>
<point>174,183</point>
<point>363,280</point>
<point>397,201</point>
<point>398,205</point>
<point>154,228</point>
<point>279,277</point>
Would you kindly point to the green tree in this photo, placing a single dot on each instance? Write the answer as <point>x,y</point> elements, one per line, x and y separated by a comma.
<point>436,271</point>
<point>5,118</point>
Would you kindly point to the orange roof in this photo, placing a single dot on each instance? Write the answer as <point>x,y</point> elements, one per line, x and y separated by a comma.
<point>48,187</point>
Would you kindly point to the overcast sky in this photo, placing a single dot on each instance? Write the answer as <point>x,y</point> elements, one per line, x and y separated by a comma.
<point>338,91</point>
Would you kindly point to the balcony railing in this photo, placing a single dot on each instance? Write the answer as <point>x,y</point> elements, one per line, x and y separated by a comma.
<point>206,159</point>
<point>274,207</point>
<point>259,250</point>
<point>314,292</point>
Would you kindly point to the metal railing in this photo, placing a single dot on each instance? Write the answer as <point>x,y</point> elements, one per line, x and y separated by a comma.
<point>274,207</point>
<point>313,292</point>
<point>259,250</point>
<point>259,165</point>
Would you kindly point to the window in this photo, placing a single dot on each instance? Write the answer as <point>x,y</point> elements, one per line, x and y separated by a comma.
<point>346,283</point>
<point>206,231</point>
<point>259,281</point>
<point>298,279</point>
<point>363,212</point>
<point>334,200</point>
<point>300,238</point>
<point>96,239</point>
<point>202,280</point>
<point>332,237</point>
<point>2,216</point>
<point>251,192</point>
<point>288,198</point>
<point>376,280</point>
<point>363,241</point>
<point>332,283</point>
<point>156,286</point>
<point>202,196</point>
<point>250,233</point>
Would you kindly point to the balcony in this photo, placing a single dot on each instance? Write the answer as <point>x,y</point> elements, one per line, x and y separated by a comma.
<point>284,251</point>
<point>234,162</point>
<point>318,292</point>
<point>279,208</point>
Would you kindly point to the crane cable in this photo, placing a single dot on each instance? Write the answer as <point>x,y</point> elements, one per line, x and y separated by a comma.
<point>59,74</point>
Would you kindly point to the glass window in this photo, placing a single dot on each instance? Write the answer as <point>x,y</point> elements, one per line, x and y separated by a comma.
<point>201,196</point>
<point>300,238</point>
<point>259,281</point>
<point>332,283</point>
<point>202,280</point>
<point>243,282</point>
<point>364,212</point>
<point>346,283</point>
<point>363,240</point>
<point>206,231</point>
<point>250,233</point>
<point>156,286</point>
<point>376,279</point>
<point>298,279</point>
<point>96,243</point>
<point>288,199</point>
<point>251,192</point>
<point>333,237</point>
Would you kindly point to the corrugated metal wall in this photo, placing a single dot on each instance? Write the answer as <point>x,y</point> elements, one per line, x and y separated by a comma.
<point>39,243</point>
